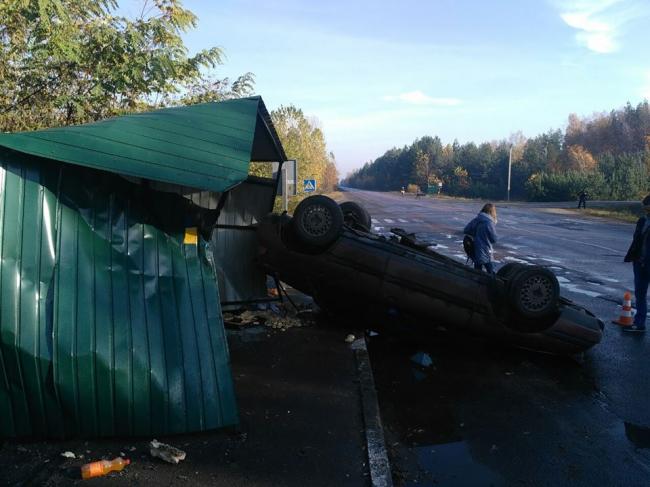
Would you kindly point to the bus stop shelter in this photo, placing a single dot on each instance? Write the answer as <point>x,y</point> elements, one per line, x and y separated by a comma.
<point>118,242</point>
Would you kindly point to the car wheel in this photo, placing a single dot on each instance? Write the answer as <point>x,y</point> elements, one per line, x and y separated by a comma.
<point>356,216</point>
<point>317,221</point>
<point>509,270</point>
<point>534,292</point>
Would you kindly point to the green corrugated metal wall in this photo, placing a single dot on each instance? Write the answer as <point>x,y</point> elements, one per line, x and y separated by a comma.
<point>109,324</point>
<point>204,146</point>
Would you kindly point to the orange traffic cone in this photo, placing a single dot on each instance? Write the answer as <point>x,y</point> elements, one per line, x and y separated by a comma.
<point>626,314</point>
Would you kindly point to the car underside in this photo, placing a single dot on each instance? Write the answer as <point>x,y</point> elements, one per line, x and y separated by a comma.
<point>328,251</point>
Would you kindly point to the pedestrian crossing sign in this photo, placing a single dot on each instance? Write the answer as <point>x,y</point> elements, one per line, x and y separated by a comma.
<point>309,185</point>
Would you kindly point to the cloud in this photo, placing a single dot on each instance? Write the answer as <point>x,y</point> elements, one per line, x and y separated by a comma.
<point>600,23</point>
<point>419,98</point>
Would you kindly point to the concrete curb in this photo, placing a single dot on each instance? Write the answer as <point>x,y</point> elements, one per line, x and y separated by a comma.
<point>380,474</point>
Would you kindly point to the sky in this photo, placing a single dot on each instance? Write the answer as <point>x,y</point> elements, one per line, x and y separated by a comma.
<point>379,74</point>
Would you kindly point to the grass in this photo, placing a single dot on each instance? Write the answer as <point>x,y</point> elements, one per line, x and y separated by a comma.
<point>626,213</point>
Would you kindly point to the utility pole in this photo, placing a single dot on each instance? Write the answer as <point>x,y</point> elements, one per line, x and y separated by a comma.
<point>509,171</point>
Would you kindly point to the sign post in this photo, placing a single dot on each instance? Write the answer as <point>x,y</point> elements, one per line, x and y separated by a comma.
<point>287,181</point>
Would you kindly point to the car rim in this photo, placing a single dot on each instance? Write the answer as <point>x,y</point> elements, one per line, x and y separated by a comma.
<point>536,293</point>
<point>317,220</point>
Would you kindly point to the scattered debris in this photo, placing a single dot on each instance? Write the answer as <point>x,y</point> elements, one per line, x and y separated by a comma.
<point>167,453</point>
<point>103,467</point>
<point>68,454</point>
<point>274,316</point>
<point>422,359</point>
<point>350,338</point>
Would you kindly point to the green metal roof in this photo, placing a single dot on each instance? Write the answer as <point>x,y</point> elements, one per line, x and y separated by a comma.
<point>207,146</point>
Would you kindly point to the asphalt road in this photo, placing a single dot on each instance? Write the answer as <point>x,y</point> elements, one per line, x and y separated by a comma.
<point>481,414</point>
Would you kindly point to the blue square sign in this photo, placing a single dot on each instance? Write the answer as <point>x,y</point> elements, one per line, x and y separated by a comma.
<point>309,185</point>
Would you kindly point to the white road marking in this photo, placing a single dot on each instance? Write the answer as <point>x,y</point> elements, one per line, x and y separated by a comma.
<point>553,261</point>
<point>562,279</point>
<point>556,268</point>
<point>510,246</point>
<point>374,221</point>
<point>608,279</point>
<point>388,220</point>
<point>378,229</point>
<point>449,236</point>
<point>571,220</point>
<point>417,220</point>
<point>460,256</point>
<point>401,220</point>
<point>440,246</point>
<point>576,289</point>
<point>575,243</point>
<point>514,259</point>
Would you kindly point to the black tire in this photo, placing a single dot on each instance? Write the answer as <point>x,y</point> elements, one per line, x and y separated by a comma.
<point>356,216</point>
<point>534,292</point>
<point>510,269</point>
<point>317,221</point>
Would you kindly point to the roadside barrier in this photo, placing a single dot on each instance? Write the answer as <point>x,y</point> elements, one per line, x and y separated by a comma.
<point>625,319</point>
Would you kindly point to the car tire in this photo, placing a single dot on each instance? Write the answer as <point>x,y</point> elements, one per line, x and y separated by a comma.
<point>534,292</point>
<point>356,216</point>
<point>317,221</point>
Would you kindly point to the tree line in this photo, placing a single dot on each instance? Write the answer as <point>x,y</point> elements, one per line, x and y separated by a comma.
<point>66,62</point>
<point>606,154</point>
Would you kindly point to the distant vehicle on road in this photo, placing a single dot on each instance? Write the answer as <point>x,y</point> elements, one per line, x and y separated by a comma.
<point>329,252</point>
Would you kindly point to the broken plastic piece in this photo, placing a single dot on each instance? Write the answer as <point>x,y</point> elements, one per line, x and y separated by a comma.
<point>167,453</point>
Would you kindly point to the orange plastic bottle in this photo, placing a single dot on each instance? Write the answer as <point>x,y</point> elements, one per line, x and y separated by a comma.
<point>102,467</point>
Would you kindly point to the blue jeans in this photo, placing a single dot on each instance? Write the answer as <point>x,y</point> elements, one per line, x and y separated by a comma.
<point>641,280</point>
<point>489,267</point>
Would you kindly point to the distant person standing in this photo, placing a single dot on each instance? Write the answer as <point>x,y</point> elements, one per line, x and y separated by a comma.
<point>582,199</point>
<point>403,191</point>
<point>482,230</point>
<point>639,255</point>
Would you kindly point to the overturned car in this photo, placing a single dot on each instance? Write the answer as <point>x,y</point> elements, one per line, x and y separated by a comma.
<point>328,251</point>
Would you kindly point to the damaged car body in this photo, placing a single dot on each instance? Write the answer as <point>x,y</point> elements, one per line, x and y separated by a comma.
<point>328,252</point>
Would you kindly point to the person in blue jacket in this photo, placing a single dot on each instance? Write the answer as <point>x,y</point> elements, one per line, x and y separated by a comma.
<point>482,229</point>
<point>639,255</point>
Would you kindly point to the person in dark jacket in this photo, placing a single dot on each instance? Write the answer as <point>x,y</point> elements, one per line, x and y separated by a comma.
<point>639,255</point>
<point>582,199</point>
<point>482,229</point>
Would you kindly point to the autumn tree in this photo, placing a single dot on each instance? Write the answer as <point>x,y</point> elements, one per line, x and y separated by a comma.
<point>579,159</point>
<point>73,61</point>
<point>303,140</point>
